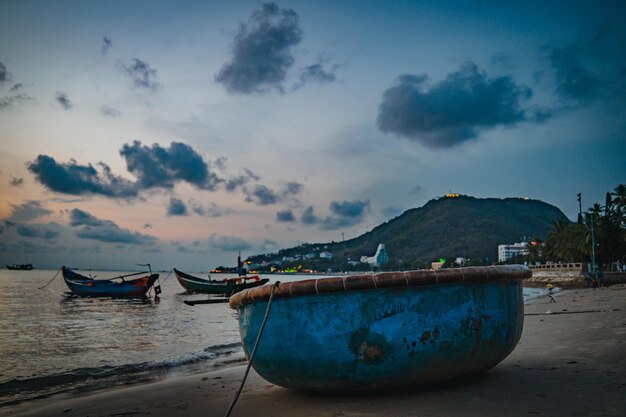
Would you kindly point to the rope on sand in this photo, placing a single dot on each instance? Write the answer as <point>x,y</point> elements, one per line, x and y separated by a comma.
<point>256,344</point>
<point>50,282</point>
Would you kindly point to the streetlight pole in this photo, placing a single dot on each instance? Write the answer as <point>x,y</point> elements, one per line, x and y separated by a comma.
<point>580,208</point>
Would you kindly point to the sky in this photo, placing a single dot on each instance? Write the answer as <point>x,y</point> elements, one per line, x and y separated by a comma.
<point>181,133</point>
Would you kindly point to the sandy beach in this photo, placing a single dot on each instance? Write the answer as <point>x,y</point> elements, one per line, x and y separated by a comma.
<point>570,362</point>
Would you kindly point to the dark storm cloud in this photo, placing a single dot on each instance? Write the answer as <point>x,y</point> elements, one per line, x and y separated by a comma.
<point>141,74</point>
<point>106,45</point>
<point>110,111</point>
<point>452,111</point>
<point>261,52</point>
<point>211,210</point>
<point>162,167</point>
<point>63,100</point>
<point>16,182</point>
<point>28,211</point>
<point>261,195</point>
<point>75,179</point>
<point>105,230</point>
<point>228,243</point>
<point>177,207</point>
<point>285,216</point>
<point>36,231</point>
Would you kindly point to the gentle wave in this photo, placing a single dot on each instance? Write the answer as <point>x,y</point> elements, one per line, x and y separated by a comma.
<point>86,379</point>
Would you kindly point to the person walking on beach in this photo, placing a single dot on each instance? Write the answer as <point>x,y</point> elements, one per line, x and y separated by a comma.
<point>550,287</point>
<point>600,276</point>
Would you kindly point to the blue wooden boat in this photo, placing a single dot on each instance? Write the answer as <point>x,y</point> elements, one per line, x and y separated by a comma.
<point>20,267</point>
<point>228,286</point>
<point>119,286</point>
<point>383,331</point>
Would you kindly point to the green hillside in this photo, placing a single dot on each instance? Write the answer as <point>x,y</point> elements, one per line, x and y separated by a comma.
<point>443,228</point>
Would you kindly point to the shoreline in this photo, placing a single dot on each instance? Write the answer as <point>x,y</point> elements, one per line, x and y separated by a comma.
<point>569,361</point>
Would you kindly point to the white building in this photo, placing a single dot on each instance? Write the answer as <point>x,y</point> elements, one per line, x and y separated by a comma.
<point>379,258</point>
<point>326,255</point>
<point>506,252</point>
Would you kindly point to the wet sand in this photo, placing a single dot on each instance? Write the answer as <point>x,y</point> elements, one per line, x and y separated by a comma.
<point>571,362</point>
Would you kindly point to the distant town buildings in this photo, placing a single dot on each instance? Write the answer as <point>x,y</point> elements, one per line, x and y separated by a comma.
<point>326,255</point>
<point>380,257</point>
<point>506,252</point>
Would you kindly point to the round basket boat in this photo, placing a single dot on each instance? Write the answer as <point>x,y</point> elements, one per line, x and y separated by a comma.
<point>385,330</point>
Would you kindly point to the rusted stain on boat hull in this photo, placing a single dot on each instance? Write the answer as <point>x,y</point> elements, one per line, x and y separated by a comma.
<point>384,338</point>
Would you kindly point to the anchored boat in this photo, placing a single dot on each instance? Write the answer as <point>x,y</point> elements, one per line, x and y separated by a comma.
<point>119,286</point>
<point>384,330</point>
<point>227,286</point>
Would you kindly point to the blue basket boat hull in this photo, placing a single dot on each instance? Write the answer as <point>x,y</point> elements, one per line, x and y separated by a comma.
<point>384,338</point>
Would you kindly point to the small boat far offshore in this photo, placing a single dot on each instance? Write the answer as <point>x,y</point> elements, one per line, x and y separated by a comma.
<point>128,288</point>
<point>228,286</point>
<point>382,331</point>
<point>20,267</point>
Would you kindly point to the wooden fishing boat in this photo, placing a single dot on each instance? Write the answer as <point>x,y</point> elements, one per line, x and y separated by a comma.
<point>119,286</point>
<point>385,330</point>
<point>20,267</point>
<point>228,286</point>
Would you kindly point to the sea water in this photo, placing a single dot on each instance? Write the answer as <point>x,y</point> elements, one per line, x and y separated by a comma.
<point>52,342</point>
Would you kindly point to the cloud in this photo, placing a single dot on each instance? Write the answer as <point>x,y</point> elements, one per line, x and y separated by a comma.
<point>316,73</point>
<point>63,100</point>
<point>233,183</point>
<point>308,217</point>
<point>142,76</point>
<point>36,231</point>
<point>28,211</point>
<point>5,75</point>
<point>261,54</point>
<point>177,207</point>
<point>16,182</point>
<point>345,214</point>
<point>452,111</point>
<point>293,188</point>
<point>285,216</point>
<point>261,195</point>
<point>79,217</point>
<point>573,80</point>
<point>109,111</point>
<point>212,210</point>
<point>75,179</point>
<point>106,45</point>
<point>345,208</point>
<point>8,101</point>
<point>228,243</point>
<point>162,167</point>
<point>105,230</point>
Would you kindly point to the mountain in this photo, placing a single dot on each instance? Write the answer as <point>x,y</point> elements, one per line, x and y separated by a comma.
<point>447,227</point>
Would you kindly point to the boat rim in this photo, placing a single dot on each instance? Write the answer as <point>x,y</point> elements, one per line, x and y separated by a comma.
<point>414,278</point>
